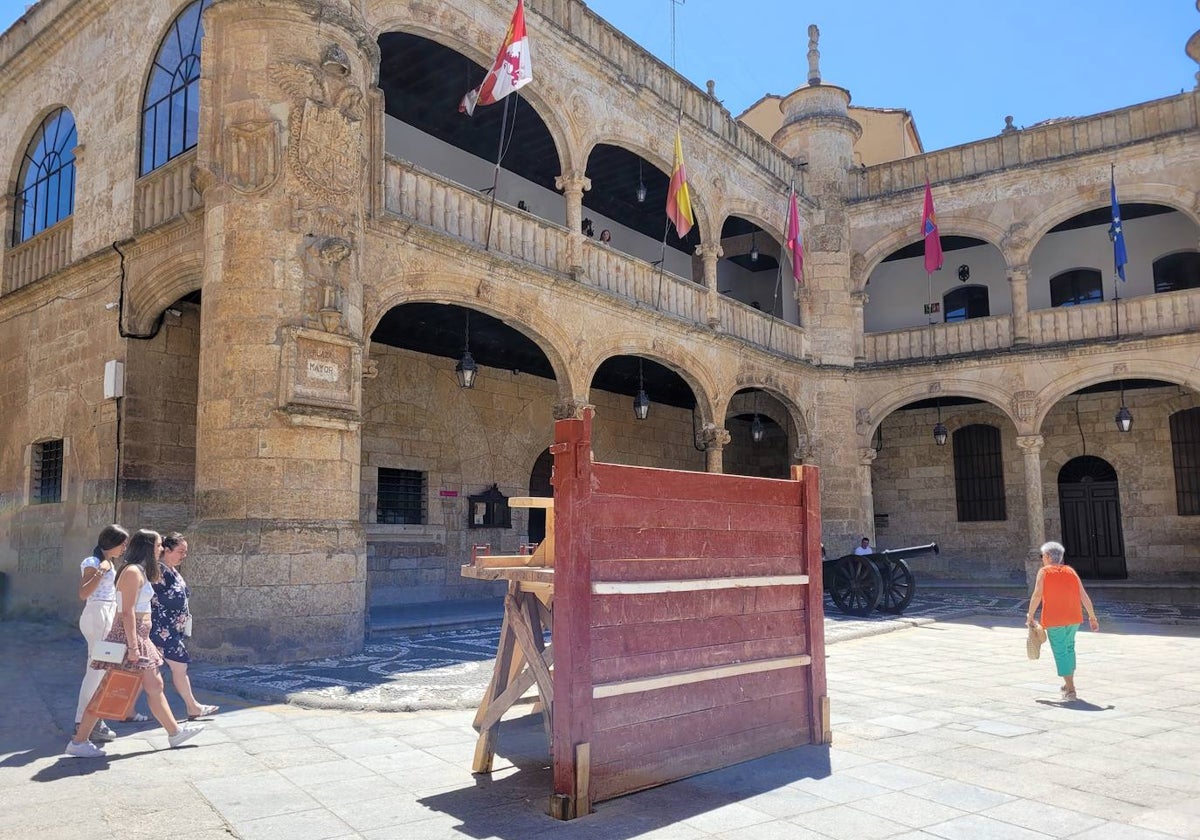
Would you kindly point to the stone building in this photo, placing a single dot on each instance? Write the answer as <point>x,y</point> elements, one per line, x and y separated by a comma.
<point>245,254</point>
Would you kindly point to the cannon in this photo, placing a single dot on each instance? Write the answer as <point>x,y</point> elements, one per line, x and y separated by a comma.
<point>859,584</point>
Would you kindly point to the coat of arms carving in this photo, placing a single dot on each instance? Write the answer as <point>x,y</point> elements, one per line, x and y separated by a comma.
<point>325,142</point>
<point>253,154</point>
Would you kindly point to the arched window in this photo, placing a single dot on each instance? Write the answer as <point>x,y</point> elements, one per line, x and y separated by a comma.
<point>1076,287</point>
<point>979,474</point>
<point>1176,272</point>
<point>966,302</point>
<point>171,108</point>
<point>1185,452</point>
<point>46,185</point>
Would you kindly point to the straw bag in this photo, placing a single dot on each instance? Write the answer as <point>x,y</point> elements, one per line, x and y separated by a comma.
<point>1033,643</point>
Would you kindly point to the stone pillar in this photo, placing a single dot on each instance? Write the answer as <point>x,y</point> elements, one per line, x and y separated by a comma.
<point>1031,448</point>
<point>573,185</point>
<point>709,253</point>
<point>859,301</point>
<point>714,438</point>
<point>1018,278</point>
<point>866,457</point>
<point>282,164</point>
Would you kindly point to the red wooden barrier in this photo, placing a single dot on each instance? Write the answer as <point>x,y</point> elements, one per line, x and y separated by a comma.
<point>688,622</point>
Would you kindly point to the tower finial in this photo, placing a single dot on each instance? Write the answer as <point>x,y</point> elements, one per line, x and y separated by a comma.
<point>814,55</point>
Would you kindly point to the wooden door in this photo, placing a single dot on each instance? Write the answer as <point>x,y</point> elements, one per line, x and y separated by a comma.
<point>1091,527</point>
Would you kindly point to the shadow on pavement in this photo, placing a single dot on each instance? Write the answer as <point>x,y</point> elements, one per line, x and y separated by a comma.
<point>522,775</point>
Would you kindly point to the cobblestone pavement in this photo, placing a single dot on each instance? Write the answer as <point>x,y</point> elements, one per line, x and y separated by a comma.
<point>449,669</point>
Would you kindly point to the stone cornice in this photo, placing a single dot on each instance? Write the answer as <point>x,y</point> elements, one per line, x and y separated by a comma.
<point>41,31</point>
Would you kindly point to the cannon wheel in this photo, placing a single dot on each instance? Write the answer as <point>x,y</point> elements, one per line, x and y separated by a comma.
<point>856,585</point>
<point>898,586</point>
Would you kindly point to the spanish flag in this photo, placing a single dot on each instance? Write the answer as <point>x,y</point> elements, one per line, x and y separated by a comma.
<point>679,201</point>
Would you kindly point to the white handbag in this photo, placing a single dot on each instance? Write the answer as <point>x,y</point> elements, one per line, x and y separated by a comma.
<point>113,652</point>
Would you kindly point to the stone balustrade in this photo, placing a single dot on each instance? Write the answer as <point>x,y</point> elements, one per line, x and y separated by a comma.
<point>165,193</point>
<point>37,256</point>
<point>934,340</point>
<point>1172,115</point>
<point>755,327</point>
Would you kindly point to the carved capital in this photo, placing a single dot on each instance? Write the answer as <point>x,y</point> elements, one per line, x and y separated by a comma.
<point>1030,444</point>
<point>572,182</point>
<point>866,456</point>
<point>714,437</point>
<point>571,409</point>
<point>1018,273</point>
<point>710,251</point>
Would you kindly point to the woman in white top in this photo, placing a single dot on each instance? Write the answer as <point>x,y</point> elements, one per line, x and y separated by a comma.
<point>97,588</point>
<point>132,627</point>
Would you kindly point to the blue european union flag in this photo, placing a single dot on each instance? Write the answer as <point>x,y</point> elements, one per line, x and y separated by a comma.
<point>1117,234</point>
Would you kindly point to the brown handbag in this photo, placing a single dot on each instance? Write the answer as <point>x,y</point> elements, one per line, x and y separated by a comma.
<point>117,694</point>
<point>1033,643</point>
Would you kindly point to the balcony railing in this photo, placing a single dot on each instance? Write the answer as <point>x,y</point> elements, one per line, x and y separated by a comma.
<point>1150,315</point>
<point>1161,117</point>
<point>449,208</point>
<point>38,257</point>
<point>934,340</point>
<point>166,193</point>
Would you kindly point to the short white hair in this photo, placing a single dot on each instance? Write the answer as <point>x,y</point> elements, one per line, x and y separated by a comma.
<point>1055,550</point>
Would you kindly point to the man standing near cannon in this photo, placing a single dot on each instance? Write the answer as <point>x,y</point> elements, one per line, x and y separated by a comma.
<point>864,547</point>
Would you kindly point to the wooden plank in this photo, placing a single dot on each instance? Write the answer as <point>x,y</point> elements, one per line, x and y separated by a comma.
<point>647,665</point>
<point>721,513</point>
<point>670,680</point>
<point>662,568</point>
<point>620,777</point>
<point>815,609</point>
<point>542,502</point>
<point>647,587</point>
<point>613,712</point>
<point>640,483</point>
<point>638,609</point>
<point>786,711</point>
<point>583,765</point>
<point>532,574</point>
<point>631,639</point>
<point>531,646</point>
<point>610,543</point>
<point>490,714</point>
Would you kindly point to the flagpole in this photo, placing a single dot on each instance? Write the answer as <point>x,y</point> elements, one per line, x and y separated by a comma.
<point>487,236</point>
<point>662,259</point>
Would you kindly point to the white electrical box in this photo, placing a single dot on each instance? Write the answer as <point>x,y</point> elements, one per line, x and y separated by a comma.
<point>114,379</point>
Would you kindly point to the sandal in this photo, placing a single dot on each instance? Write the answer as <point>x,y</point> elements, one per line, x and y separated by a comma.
<point>137,717</point>
<point>205,711</point>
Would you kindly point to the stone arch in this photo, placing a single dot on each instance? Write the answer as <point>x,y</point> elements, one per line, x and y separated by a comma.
<point>1177,198</point>
<point>751,211</point>
<point>462,290</point>
<point>794,423</point>
<point>160,286</point>
<point>1059,389</point>
<point>870,417</point>
<point>689,368</point>
<point>443,25</point>
<point>664,164</point>
<point>947,225</point>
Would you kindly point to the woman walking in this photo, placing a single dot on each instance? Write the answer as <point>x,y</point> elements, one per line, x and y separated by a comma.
<point>1062,597</point>
<point>171,622</point>
<point>97,589</point>
<point>132,627</point>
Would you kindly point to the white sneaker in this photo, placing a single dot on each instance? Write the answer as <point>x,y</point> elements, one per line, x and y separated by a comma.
<point>185,733</point>
<point>84,749</point>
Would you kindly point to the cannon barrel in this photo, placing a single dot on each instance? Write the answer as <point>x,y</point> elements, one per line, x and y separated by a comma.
<point>910,551</point>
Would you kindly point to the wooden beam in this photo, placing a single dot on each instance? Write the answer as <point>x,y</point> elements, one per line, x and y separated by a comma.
<point>646,587</point>
<point>699,675</point>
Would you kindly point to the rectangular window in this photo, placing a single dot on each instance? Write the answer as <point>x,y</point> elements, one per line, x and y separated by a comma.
<point>1185,452</point>
<point>47,473</point>
<point>401,497</point>
<point>979,474</point>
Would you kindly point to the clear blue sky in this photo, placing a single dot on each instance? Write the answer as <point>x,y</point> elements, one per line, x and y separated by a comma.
<point>959,65</point>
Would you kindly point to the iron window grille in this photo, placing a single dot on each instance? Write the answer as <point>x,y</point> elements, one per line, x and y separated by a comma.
<point>401,497</point>
<point>47,473</point>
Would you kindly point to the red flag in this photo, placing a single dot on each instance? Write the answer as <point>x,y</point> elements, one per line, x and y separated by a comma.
<point>679,200</point>
<point>929,230</point>
<point>794,243</point>
<point>510,71</point>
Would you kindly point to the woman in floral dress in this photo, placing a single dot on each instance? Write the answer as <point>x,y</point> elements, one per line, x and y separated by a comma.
<point>172,622</point>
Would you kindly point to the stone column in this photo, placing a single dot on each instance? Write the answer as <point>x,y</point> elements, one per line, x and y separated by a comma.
<point>1018,278</point>
<point>715,438</point>
<point>859,301</point>
<point>709,253</point>
<point>866,457</point>
<point>282,164</point>
<point>1031,448</point>
<point>573,185</point>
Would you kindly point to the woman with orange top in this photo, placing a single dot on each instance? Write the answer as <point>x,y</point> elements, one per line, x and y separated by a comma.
<point>1063,599</point>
